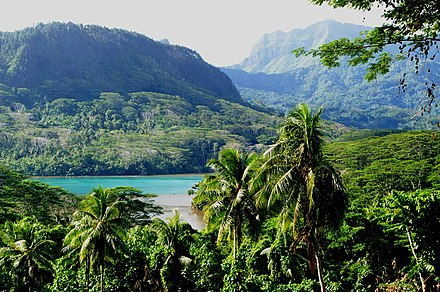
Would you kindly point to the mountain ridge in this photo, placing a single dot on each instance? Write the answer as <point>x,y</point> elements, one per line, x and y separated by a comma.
<point>88,100</point>
<point>81,61</point>
<point>272,53</point>
<point>284,81</point>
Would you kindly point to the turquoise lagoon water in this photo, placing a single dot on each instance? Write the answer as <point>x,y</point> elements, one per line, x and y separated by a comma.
<point>171,190</point>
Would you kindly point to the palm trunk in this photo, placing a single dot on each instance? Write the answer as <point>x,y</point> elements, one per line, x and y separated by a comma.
<point>102,273</point>
<point>102,277</point>
<point>28,280</point>
<point>411,244</point>
<point>101,258</point>
<point>318,268</point>
<point>87,273</point>
<point>235,243</point>
<point>237,238</point>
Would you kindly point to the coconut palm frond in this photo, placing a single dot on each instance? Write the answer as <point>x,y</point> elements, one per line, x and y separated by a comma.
<point>306,188</point>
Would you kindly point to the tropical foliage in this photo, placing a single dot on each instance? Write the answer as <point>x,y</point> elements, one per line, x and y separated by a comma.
<point>228,204</point>
<point>308,189</point>
<point>97,230</point>
<point>286,210</point>
<point>25,255</point>
<point>359,213</point>
<point>138,133</point>
<point>20,197</point>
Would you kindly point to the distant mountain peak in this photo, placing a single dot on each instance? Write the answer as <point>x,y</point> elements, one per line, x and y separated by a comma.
<point>272,53</point>
<point>273,76</point>
<point>165,42</point>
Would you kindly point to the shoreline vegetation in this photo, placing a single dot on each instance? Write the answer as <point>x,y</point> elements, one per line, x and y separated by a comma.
<point>291,203</point>
<point>390,198</point>
<point>128,176</point>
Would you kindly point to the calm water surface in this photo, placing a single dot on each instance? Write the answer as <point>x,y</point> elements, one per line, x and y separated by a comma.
<point>171,190</point>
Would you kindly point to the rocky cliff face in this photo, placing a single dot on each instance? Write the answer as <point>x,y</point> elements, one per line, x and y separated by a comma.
<point>272,54</point>
<point>273,76</point>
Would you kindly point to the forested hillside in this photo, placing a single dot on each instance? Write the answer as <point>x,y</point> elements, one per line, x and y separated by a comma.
<point>87,100</point>
<point>139,133</point>
<point>60,60</point>
<point>374,163</point>
<point>273,76</point>
<point>294,203</point>
<point>374,229</point>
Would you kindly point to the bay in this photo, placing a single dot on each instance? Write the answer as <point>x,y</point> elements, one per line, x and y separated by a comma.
<point>171,190</point>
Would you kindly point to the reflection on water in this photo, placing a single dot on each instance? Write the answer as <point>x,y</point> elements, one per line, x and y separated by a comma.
<point>186,215</point>
<point>182,203</point>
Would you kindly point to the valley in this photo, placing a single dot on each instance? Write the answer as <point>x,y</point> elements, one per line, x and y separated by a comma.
<point>304,178</point>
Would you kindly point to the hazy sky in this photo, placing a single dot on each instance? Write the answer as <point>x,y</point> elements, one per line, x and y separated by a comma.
<point>222,31</point>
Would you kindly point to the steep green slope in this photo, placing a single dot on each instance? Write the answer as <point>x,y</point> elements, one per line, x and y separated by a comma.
<point>87,100</point>
<point>75,61</point>
<point>138,133</point>
<point>272,75</point>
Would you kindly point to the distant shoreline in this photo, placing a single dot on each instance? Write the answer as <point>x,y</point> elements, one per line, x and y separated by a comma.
<point>136,175</point>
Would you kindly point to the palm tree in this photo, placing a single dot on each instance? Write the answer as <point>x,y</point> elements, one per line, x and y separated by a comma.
<point>296,176</point>
<point>26,252</point>
<point>226,195</point>
<point>98,228</point>
<point>172,237</point>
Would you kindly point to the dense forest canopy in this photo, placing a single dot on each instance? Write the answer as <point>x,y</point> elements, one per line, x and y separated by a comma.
<point>385,236</point>
<point>138,133</point>
<point>291,204</point>
<point>58,60</point>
